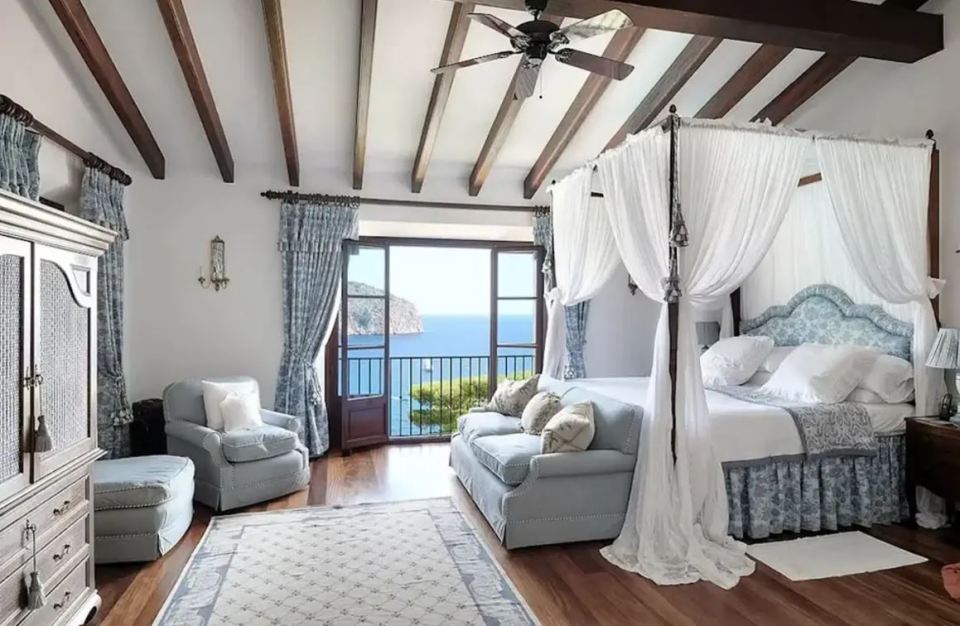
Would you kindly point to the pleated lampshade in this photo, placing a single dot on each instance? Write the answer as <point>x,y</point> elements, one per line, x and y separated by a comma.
<point>945,353</point>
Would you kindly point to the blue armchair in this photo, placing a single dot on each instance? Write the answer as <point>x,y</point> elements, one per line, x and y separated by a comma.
<point>238,468</point>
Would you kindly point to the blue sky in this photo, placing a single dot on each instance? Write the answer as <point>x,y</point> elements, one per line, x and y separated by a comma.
<point>448,281</point>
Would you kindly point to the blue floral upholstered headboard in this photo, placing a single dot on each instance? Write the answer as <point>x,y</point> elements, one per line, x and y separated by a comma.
<point>826,314</point>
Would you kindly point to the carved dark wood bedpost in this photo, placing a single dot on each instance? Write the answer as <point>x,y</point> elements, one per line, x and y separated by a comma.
<point>933,219</point>
<point>673,306</point>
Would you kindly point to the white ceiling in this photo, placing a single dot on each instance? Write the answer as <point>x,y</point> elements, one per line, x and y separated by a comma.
<point>322,39</point>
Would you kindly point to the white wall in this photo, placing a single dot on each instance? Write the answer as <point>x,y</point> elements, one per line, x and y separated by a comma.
<point>620,330</point>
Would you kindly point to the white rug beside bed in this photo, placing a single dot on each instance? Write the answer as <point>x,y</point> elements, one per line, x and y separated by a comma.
<point>829,556</point>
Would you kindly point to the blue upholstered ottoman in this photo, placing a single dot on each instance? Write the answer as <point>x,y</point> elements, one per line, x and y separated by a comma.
<point>142,506</point>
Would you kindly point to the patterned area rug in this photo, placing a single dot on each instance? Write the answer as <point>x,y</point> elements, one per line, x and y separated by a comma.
<point>416,562</point>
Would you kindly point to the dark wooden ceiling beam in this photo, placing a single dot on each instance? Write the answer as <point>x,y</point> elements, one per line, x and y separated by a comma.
<point>843,27</point>
<point>756,68</point>
<point>619,48</point>
<point>818,75</point>
<point>368,33</point>
<point>680,71</point>
<point>77,23</point>
<point>181,37</point>
<point>273,19</point>
<point>442,84</point>
<point>499,130</point>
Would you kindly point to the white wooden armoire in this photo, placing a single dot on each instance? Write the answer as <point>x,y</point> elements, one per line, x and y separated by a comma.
<point>48,366</point>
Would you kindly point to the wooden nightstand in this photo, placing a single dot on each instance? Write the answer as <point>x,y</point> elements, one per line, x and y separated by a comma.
<point>933,459</point>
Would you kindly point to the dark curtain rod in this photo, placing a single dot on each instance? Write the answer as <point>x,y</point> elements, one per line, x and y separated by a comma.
<point>17,112</point>
<point>295,196</point>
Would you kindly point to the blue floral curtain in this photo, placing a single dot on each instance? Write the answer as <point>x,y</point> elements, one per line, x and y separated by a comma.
<point>311,238</point>
<point>101,202</point>
<point>19,149</point>
<point>576,315</point>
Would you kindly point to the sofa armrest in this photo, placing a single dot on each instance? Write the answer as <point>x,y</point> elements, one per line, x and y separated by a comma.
<point>284,421</point>
<point>582,463</point>
<point>194,434</point>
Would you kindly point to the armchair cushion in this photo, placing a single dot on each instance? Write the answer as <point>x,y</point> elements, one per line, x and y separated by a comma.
<point>254,444</point>
<point>507,456</point>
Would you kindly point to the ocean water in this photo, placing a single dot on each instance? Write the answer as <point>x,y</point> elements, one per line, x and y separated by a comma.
<point>450,347</point>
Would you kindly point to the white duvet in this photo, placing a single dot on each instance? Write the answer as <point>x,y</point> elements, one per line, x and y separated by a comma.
<point>742,431</point>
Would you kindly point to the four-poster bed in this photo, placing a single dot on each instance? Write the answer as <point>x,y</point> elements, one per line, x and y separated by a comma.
<point>695,209</point>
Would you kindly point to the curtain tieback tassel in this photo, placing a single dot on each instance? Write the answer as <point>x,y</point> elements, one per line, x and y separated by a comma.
<point>671,289</point>
<point>679,238</point>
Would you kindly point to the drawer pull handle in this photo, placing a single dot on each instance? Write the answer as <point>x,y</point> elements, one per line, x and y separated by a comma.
<point>63,553</point>
<point>62,508</point>
<point>62,603</point>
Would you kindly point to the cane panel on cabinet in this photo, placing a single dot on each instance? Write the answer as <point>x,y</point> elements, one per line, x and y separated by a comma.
<point>48,265</point>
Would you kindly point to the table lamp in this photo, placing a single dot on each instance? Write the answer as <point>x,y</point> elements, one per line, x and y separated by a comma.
<point>945,355</point>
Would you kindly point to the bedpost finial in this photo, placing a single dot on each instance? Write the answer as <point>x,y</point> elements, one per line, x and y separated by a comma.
<point>929,133</point>
<point>673,109</point>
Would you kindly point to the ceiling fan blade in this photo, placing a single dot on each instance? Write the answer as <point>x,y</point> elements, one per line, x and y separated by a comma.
<point>494,22</point>
<point>475,61</point>
<point>526,83</point>
<point>592,63</point>
<point>591,27</point>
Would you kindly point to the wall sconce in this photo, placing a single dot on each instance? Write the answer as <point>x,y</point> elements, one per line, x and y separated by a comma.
<point>218,266</point>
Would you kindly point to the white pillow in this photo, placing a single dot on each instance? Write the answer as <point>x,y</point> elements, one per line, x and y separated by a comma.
<point>240,411</point>
<point>818,373</point>
<point>891,378</point>
<point>865,396</point>
<point>775,358</point>
<point>759,378</point>
<point>734,360</point>
<point>215,393</point>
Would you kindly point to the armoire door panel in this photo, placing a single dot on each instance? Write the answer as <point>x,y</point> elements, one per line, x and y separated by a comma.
<point>65,355</point>
<point>15,275</point>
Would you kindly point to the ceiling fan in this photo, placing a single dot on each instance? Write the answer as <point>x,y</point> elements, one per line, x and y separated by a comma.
<point>538,38</point>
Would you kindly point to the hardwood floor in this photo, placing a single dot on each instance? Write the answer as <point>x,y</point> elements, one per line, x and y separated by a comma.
<point>573,584</point>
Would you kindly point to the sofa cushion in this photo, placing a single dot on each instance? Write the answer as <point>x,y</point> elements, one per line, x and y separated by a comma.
<point>570,430</point>
<point>486,423</point>
<point>538,412</point>
<point>507,456</point>
<point>512,396</point>
<point>141,481</point>
<point>254,444</point>
<point>617,424</point>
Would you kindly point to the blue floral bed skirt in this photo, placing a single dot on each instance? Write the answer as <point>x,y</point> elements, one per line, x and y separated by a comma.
<point>796,495</point>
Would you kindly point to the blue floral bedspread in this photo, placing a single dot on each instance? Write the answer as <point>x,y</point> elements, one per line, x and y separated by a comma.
<point>826,430</point>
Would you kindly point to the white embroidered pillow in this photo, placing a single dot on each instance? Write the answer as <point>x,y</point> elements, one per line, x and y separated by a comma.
<point>240,411</point>
<point>512,396</point>
<point>775,358</point>
<point>570,430</point>
<point>820,374</point>
<point>538,412</point>
<point>215,393</point>
<point>734,360</point>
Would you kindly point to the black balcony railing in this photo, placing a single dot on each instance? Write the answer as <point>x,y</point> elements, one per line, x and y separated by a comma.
<point>428,393</point>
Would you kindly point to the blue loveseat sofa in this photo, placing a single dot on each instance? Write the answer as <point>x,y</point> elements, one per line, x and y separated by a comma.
<point>536,499</point>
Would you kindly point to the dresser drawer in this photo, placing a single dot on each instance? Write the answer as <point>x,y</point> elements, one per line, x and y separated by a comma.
<point>49,516</point>
<point>58,557</point>
<point>62,599</point>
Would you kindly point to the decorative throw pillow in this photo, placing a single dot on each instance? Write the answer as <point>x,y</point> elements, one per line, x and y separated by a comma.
<point>538,412</point>
<point>570,430</point>
<point>512,396</point>
<point>824,374</point>
<point>734,360</point>
<point>215,393</point>
<point>240,411</point>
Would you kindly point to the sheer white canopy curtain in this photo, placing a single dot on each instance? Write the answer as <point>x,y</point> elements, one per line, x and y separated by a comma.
<point>584,259</point>
<point>879,192</point>
<point>734,187</point>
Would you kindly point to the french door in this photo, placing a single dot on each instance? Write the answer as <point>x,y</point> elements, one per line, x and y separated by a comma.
<point>516,313</point>
<point>364,344</point>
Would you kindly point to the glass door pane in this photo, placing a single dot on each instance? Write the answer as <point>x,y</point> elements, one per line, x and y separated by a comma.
<point>517,318</point>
